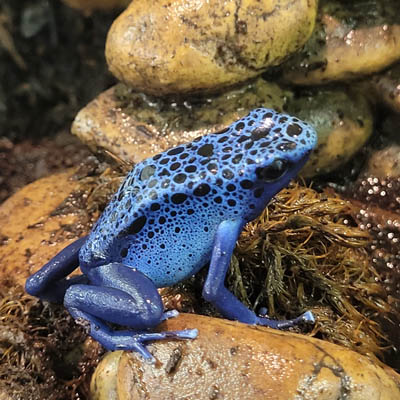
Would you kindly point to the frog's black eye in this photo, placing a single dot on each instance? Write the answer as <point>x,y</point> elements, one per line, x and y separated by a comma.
<point>274,171</point>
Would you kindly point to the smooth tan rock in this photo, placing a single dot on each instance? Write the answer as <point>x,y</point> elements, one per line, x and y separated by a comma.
<point>230,360</point>
<point>351,39</point>
<point>29,234</point>
<point>386,87</point>
<point>385,163</point>
<point>103,385</point>
<point>177,46</point>
<point>343,121</point>
<point>133,126</point>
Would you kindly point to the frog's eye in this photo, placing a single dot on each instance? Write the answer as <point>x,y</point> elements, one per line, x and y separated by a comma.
<point>274,171</point>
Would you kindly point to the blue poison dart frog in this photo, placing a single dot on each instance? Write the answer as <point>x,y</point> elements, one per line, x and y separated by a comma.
<point>173,214</point>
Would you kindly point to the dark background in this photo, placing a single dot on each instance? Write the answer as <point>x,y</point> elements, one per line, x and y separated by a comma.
<point>51,64</point>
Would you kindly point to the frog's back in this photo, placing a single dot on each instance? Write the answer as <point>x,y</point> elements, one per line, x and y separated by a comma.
<point>164,217</point>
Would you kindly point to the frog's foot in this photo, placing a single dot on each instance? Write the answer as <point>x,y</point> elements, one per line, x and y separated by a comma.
<point>134,341</point>
<point>140,338</point>
<point>126,339</point>
<point>263,319</point>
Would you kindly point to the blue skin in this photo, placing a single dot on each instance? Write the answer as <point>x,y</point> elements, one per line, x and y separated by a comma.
<point>174,213</point>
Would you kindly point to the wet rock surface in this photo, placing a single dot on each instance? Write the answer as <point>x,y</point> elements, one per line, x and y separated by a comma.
<point>351,39</point>
<point>45,216</point>
<point>29,235</point>
<point>343,121</point>
<point>383,164</point>
<point>133,126</point>
<point>386,87</point>
<point>170,47</point>
<point>233,360</point>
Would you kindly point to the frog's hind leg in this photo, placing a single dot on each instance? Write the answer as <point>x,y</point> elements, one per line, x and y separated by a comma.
<point>48,283</point>
<point>124,296</point>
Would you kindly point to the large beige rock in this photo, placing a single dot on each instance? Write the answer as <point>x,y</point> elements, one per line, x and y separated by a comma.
<point>385,163</point>
<point>386,87</point>
<point>174,46</point>
<point>133,126</point>
<point>230,360</point>
<point>343,121</point>
<point>351,39</point>
<point>31,230</point>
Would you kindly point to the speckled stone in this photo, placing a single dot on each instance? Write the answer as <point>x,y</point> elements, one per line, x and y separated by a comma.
<point>30,234</point>
<point>180,46</point>
<point>230,360</point>
<point>351,39</point>
<point>386,87</point>
<point>133,126</point>
<point>343,120</point>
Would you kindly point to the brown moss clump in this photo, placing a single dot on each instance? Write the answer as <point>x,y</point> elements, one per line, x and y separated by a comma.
<point>43,353</point>
<point>306,253</point>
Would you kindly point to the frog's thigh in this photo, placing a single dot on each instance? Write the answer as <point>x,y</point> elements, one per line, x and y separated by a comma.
<point>117,294</point>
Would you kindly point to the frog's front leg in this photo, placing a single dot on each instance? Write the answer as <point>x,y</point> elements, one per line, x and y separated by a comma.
<point>215,291</point>
<point>123,296</point>
<point>49,282</point>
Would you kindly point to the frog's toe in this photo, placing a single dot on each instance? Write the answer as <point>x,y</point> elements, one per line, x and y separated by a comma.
<point>263,312</point>
<point>169,314</point>
<point>188,334</point>
<point>307,317</point>
<point>141,349</point>
<point>183,334</point>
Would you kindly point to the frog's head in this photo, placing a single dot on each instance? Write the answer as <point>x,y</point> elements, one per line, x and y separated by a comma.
<point>274,147</point>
